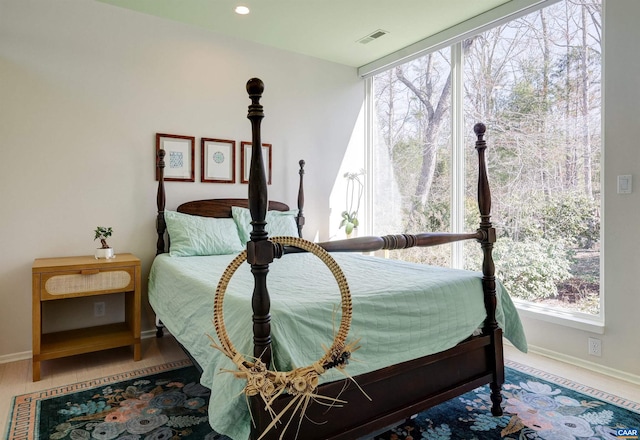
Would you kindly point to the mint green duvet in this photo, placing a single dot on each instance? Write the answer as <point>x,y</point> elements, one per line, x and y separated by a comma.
<point>401,311</point>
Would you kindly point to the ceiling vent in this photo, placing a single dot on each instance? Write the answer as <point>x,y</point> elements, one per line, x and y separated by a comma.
<point>372,36</point>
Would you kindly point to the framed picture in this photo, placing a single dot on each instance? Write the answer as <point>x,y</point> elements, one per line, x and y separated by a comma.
<point>245,159</point>
<point>178,158</point>
<point>218,160</point>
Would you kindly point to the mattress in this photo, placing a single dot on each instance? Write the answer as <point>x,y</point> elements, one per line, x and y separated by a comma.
<point>401,311</point>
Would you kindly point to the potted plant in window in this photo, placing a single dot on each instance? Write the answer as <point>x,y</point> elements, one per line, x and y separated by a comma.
<point>355,190</point>
<point>105,251</point>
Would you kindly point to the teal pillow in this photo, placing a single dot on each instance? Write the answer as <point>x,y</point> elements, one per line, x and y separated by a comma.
<point>194,235</point>
<point>279,223</point>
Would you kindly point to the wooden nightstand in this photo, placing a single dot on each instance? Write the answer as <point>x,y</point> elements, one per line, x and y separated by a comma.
<point>73,277</point>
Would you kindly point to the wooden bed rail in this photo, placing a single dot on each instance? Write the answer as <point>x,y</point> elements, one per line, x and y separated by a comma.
<point>390,242</point>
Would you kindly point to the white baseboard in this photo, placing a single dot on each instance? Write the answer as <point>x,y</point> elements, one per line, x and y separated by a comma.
<point>588,365</point>
<point>13,357</point>
<point>146,334</point>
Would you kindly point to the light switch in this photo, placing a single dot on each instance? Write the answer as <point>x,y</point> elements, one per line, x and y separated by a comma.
<point>624,184</point>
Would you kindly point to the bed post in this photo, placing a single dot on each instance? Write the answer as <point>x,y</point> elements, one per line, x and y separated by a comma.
<point>488,272</point>
<point>161,226</point>
<point>260,251</point>
<point>300,216</point>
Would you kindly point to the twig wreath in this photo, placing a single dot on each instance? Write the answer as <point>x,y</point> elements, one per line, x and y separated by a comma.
<point>302,382</point>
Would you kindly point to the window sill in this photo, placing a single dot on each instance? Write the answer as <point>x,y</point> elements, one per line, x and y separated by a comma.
<point>577,320</point>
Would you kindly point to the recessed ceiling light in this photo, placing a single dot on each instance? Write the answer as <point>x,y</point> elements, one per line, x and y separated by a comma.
<point>242,10</point>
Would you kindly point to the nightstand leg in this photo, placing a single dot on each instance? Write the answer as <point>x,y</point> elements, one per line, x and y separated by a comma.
<point>137,351</point>
<point>36,370</point>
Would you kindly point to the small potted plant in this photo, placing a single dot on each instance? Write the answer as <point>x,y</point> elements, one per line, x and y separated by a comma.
<point>355,190</point>
<point>105,251</point>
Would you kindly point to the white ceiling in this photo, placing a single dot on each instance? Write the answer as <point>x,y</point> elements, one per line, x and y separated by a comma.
<point>326,29</point>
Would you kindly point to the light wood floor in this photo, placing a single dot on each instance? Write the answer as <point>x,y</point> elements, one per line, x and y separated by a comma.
<point>15,377</point>
<point>620,388</point>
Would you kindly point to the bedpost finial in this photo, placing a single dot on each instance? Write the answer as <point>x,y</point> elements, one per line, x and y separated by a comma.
<point>160,159</point>
<point>479,129</point>
<point>301,163</point>
<point>255,87</point>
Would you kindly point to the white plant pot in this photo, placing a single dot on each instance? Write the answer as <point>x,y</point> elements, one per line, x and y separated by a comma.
<point>105,253</point>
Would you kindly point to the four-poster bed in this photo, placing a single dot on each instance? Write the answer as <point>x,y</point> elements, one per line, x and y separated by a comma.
<point>450,344</point>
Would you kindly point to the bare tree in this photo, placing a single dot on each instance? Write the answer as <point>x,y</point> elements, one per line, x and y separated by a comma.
<point>435,102</point>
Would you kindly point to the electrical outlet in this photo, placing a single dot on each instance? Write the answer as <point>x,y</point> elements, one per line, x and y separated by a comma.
<point>595,347</point>
<point>99,309</point>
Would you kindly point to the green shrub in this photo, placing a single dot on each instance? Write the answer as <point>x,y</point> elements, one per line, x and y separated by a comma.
<point>530,269</point>
<point>568,217</point>
<point>573,216</point>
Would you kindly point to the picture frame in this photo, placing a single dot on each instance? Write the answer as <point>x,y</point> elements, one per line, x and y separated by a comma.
<point>179,157</point>
<point>217,160</point>
<point>245,161</point>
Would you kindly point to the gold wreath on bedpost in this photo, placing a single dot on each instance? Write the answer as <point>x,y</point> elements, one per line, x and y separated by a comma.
<point>302,382</point>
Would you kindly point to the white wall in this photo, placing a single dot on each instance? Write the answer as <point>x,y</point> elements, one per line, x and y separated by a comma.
<point>620,341</point>
<point>85,86</point>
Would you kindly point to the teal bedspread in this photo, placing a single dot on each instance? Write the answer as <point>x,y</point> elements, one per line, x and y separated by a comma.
<point>401,311</point>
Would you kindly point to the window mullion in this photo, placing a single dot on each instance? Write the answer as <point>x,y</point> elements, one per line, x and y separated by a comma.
<point>369,191</point>
<point>457,153</point>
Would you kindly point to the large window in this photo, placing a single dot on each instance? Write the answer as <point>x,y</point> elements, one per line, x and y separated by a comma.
<point>536,83</point>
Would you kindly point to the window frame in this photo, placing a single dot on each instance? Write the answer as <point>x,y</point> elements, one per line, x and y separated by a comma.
<point>527,309</point>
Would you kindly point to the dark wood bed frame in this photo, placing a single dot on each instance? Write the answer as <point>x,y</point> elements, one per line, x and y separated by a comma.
<point>399,391</point>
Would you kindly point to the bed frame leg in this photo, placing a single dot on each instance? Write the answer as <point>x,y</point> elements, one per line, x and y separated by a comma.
<point>159,328</point>
<point>498,372</point>
<point>496,399</point>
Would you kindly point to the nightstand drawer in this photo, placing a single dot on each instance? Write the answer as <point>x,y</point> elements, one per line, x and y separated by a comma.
<point>87,281</point>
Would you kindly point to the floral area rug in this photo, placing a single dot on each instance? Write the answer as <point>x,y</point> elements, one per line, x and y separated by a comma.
<point>158,403</point>
<point>166,402</point>
<point>537,405</point>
